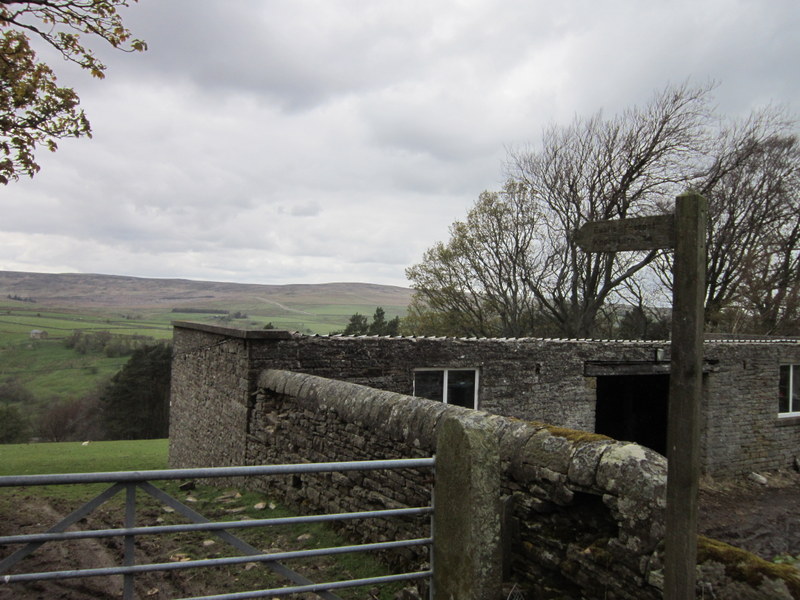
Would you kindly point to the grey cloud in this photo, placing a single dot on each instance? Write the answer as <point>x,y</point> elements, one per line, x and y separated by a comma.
<point>291,141</point>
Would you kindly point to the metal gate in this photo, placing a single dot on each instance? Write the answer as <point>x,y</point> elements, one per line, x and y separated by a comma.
<point>129,481</point>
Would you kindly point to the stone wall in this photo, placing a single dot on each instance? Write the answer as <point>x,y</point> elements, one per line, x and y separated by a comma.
<point>584,513</point>
<point>742,431</point>
<point>552,381</point>
<point>211,396</point>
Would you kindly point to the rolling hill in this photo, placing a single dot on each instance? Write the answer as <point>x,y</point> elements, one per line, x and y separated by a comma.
<point>40,313</point>
<point>75,290</point>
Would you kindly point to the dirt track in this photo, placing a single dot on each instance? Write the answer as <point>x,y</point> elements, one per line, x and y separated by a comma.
<point>35,516</point>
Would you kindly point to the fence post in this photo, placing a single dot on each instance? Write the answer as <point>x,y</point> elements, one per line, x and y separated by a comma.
<point>467,557</point>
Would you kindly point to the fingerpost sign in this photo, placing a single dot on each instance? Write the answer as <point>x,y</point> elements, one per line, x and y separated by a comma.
<point>685,232</point>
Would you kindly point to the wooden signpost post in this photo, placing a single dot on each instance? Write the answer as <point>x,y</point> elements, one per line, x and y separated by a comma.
<point>686,233</point>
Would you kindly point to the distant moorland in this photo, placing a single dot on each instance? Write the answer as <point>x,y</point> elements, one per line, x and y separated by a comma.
<point>315,308</point>
<point>63,335</point>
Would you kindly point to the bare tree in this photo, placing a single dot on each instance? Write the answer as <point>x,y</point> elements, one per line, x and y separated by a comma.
<point>750,177</point>
<point>770,287</point>
<point>513,266</point>
<point>598,169</point>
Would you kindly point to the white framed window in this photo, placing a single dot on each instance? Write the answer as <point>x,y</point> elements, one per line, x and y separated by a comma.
<point>451,386</point>
<point>789,391</point>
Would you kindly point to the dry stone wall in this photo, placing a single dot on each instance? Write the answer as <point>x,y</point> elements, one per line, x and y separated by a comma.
<point>566,516</point>
<point>584,514</point>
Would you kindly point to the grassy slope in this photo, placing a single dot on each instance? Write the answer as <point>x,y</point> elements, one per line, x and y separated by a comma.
<point>123,301</point>
<point>73,457</point>
<point>48,369</point>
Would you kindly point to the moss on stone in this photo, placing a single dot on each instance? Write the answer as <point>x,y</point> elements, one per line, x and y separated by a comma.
<point>576,436</point>
<point>745,567</point>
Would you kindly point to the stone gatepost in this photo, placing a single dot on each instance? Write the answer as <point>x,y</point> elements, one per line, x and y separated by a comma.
<point>467,557</point>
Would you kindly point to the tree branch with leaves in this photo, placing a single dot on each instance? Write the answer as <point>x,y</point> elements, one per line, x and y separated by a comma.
<point>34,110</point>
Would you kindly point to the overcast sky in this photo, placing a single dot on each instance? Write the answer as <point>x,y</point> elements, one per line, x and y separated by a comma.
<point>262,141</point>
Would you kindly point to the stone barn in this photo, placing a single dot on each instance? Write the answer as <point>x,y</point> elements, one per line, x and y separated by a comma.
<point>751,387</point>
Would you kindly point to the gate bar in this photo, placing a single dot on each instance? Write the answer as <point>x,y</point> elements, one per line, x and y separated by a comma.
<point>211,472</point>
<point>184,527</point>
<point>214,562</point>
<point>70,519</point>
<point>316,587</point>
<point>229,538</point>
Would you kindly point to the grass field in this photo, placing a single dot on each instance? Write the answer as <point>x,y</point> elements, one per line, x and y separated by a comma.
<point>51,371</point>
<point>21,459</point>
<point>74,457</point>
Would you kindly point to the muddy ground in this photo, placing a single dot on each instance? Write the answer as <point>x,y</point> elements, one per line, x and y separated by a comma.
<point>761,518</point>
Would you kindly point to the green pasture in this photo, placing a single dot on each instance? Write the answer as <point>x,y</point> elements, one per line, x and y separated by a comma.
<point>17,323</point>
<point>48,369</point>
<point>75,457</point>
<point>321,319</point>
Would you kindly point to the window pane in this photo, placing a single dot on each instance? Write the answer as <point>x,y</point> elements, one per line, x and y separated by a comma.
<point>796,388</point>
<point>461,388</point>
<point>783,389</point>
<point>429,384</point>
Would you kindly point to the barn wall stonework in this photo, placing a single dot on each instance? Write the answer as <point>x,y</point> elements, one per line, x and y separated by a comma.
<point>542,380</point>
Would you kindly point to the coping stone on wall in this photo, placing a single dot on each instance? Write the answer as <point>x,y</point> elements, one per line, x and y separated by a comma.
<point>362,404</point>
<point>585,461</point>
<point>244,334</point>
<point>621,461</point>
<point>514,435</point>
<point>544,448</point>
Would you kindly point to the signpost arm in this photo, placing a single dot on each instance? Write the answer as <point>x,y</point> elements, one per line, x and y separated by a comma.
<point>683,433</point>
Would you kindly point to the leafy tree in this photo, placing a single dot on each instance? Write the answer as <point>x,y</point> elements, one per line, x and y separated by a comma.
<point>357,325</point>
<point>136,401</point>
<point>380,326</point>
<point>34,110</point>
<point>478,277</point>
<point>360,325</point>
<point>13,425</point>
<point>111,345</point>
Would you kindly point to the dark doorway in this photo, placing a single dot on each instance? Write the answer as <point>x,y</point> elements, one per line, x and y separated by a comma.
<point>634,408</point>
